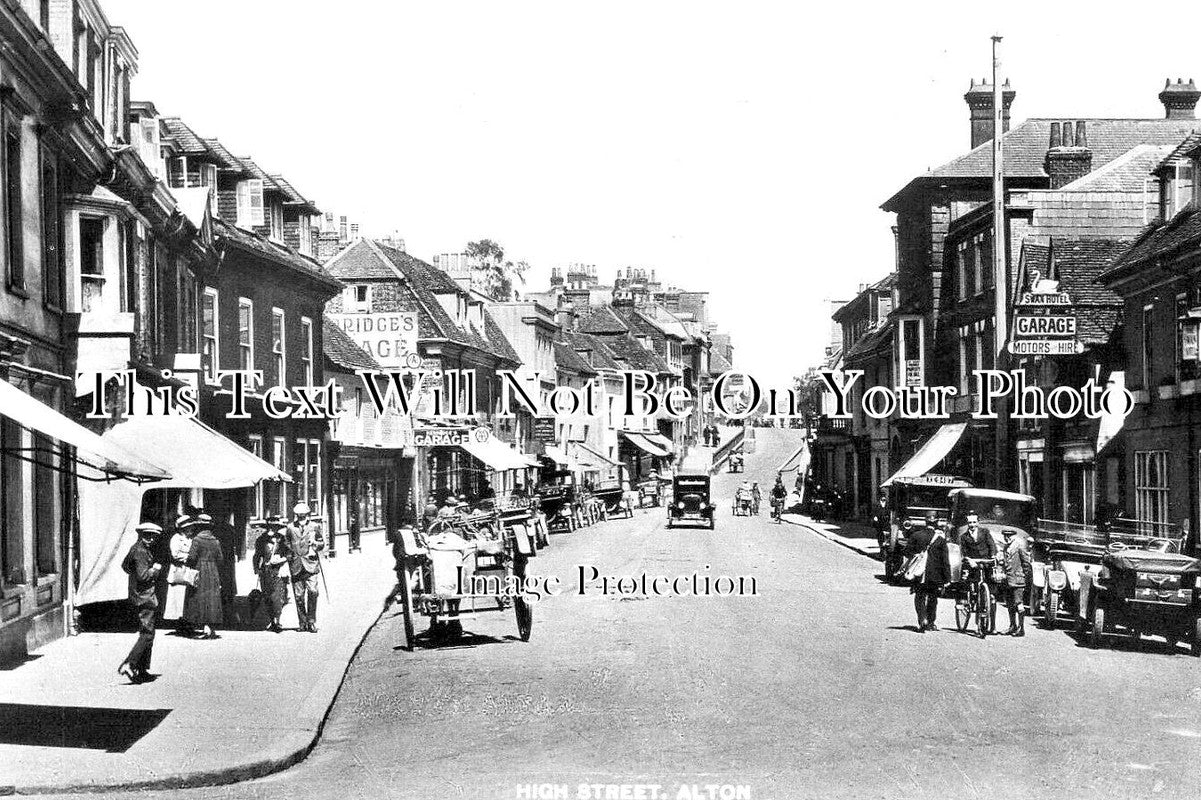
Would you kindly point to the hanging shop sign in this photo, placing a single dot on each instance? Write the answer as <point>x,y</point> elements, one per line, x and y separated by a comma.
<point>544,430</point>
<point>1043,324</point>
<point>440,437</point>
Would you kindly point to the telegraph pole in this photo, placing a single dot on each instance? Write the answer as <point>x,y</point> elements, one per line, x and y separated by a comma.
<point>1000,267</point>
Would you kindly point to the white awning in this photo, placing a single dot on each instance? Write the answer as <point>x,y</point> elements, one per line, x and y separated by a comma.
<point>798,461</point>
<point>661,440</point>
<point>197,456</point>
<point>560,457</point>
<point>589,457</point>
<point>934,450</point>
<point>106,458</point>
<point>496,454</point>
<point>643,442</point>
<point>1110,425</point>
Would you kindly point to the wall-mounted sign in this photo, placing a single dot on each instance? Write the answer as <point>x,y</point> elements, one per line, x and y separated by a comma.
<point>390,337</point>
<point>1189,350</point>
<point>544,430</point>
<point>1046,347</point>
<point>1044,299</point>
<point>440,437</point>
<point>1044,325</point>
<point>913,372</point>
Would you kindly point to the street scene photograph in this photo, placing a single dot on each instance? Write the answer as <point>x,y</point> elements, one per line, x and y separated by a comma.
<point>532,400</point>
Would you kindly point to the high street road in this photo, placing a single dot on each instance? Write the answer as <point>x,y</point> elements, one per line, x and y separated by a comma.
<point>817,687</point>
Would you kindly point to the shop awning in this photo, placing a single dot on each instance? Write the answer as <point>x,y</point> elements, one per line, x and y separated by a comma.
<point>934,450</point>
<point>1110,425</point>
<point>560,457</point>
<point>197,456</point>
<point>105,458</point>
<point>661,440</point>
<point>589,457</point>
<point>798,461</point>
<point>496,454</point>
<point>644,443</point>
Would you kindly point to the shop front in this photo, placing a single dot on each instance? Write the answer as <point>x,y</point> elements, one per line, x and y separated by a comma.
<point>373,490</point>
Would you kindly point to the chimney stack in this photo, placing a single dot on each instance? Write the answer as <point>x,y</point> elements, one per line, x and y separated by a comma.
<point>565,316</point>
<point>979,103</point>
<point>1068,156</point>
<point>1179,99</point>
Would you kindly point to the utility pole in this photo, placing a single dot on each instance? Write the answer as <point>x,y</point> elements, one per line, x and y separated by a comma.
<point>1000,269</point>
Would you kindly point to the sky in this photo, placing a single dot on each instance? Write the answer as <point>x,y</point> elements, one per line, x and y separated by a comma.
<point>742,148</point>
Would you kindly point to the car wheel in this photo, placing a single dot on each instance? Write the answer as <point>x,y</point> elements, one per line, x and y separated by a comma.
<point>1050,609</point>
<point>1094,638</point>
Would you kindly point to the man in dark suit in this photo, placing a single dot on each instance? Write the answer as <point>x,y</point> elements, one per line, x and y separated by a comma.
<point>304,543</point>
<point>143,571</point>
<point>931,540</point>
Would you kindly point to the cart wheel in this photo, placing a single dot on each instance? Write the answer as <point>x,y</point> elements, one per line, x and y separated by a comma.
<point>1195,644</point>
<point>961,617</point>
<point>1094,637</point>
<point>1050,609</point>
<point>406,606</point>
<point>525,618</point>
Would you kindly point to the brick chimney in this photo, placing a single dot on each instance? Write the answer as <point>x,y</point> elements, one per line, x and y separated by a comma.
<point>1068,153</point>
<point>979,103</point>
<point>1179,99</point>
<point>565,316</point>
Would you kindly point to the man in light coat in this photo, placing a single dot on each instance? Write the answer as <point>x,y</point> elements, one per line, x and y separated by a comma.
<point>304,543</point>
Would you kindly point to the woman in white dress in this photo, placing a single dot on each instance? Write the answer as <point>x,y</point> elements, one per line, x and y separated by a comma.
<point>181,546</point>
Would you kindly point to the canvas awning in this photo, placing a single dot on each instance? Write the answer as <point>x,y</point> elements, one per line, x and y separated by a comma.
<point>934,450</point>
<point>589,457</point>
<point>1110,424</point>
<point>560,457</point>
<point>798,461</point>
<point>104,459</point>
<point>496,454</point>
<point>643,442</point>
<point>661,440</point>
<point>197,456</point>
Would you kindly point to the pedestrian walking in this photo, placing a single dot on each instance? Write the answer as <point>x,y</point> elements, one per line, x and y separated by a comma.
<point>1015,561</point>
<point>270,565</point>
<point>203,603</point>
<point>705,433</point>
<point>179,576</point>
<point>931,541</point>
<point>304,544</point>
<point>143,573</point>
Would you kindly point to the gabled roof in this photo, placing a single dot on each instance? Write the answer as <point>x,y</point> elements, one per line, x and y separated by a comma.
<point>184,137</point>
<point>566,358</point>
<point>718,363</point>
<point>256,171</point>
<point>601,320</point>
<point>1025,149</point>
<point>342,351</point>
<point>361,261</point>
<point>873,342</point>
<point>500,343</point>
<point>1079,262</point>
<point>601,356</point>
<point>275,252</point>
<point>1159,240</point>
<point>225,159</point>
<point>632,355</point>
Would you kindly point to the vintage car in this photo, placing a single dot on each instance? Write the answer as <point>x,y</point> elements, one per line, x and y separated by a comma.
<point>557,501</point>
<point>1143,591</point>
<point>690,500</point>
<point>1063,552</point>
<point>614,498</point>
<point>909,501</point>
<point>997,511</point>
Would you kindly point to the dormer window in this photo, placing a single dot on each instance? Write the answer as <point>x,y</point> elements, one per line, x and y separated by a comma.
<point>276,220</point>
<point>1178,187</point>
<point>250,203</point>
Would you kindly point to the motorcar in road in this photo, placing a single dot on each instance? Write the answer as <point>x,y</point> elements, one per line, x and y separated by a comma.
<point>909,501</point>
<point>1143,591</point>
<point>690,501</point>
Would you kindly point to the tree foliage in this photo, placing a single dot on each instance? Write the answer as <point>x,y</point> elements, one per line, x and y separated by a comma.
<point>500,275</point>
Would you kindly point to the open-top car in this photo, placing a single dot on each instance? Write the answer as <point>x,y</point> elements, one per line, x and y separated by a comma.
<point>690,500</point>
<point>1142,591</point>
<point>909,501</point>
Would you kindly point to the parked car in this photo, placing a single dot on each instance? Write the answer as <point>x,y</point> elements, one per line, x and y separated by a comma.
<point>909,501</point>
<point>1144,592</point>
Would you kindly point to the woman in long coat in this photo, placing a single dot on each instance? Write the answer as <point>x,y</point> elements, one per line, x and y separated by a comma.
<point>181,546</point>
<point>203,604</point>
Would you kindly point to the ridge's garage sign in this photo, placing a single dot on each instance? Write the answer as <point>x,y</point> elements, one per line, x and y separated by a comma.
<point>1041,326</point>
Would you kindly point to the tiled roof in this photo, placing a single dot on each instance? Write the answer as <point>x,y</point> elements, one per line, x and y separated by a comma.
<point>602,320</point>
<point>871,343</point>
<point>500,343</point>
<point>1025,148</point>
<point>568,359</point>
<point>633,355</point>
<point>224,158</point>
<point>256,171</point>
<point>341,349</point>
<point>602,356</point>
<point>1036,255</point>
<point>275,252</point>
<point>1078,264</point>
<point>184,137</point>
<point>360,262</point>
<point>1183,150</point>
<point>1128,173</point>
<point>1096,324</point>
<point>1162,239</point>
<point>718,363</point>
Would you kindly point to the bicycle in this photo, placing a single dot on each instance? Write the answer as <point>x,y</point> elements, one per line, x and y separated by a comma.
<point>979,604</point>
<point>777,507</point>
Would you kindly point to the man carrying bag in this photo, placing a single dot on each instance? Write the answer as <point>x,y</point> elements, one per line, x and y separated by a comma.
<point>929,567</point>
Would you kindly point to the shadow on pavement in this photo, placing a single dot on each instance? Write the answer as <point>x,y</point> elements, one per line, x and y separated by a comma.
<point>1125,643</point>
<point>113,730</point>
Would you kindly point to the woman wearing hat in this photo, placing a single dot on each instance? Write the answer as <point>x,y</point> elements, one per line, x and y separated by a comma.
<point>203,603</point>
<point>268,560</point>
<point>181,545</point>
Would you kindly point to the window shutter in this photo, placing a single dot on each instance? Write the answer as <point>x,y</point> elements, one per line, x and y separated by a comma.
<point>243,204</point>
<point>256,201</point>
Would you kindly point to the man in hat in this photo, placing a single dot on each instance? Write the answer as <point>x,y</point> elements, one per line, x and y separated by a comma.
<point>1016,561</point>
<point>304,543</point>
<point>268,561</point>
<point>931,540</point>
<point>143,573</point>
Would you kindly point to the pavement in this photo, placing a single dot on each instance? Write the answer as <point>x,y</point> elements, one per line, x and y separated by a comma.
<point>852,535</point>
<point>818,685</point>
<point>241,706</point>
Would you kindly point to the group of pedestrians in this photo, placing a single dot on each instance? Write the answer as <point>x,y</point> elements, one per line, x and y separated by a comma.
<point>283,553</point>
<point>930,568</point>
